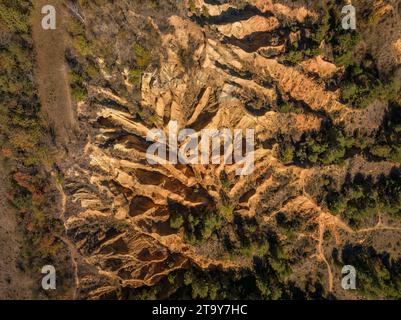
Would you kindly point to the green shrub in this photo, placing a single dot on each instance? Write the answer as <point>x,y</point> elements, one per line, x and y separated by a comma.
<point>176,221</point>
<point>378,276</point>
<point>287,154</point>
<point>388,140</point>
<point>13,17</point>
<point>142,56</point>
<point>363,197</point>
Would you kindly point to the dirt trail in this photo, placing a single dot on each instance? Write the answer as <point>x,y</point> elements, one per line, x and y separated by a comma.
<point>51,71</point>
<point>54,91</point>
<point>71,247</point>
<point>327,221</point>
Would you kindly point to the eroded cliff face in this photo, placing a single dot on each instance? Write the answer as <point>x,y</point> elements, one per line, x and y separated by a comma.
<point>213,66</point>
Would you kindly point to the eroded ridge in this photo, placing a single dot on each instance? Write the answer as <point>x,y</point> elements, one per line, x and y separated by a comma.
<point>131,221</point>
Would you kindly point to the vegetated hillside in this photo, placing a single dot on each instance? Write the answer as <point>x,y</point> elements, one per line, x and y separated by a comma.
<point>31,231</point>
<point>325,191</point>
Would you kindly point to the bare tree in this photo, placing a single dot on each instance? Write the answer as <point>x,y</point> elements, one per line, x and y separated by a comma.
<point>73,6</point>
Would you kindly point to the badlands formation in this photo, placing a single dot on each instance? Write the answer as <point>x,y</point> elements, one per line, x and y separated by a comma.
<point>156,231</point>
